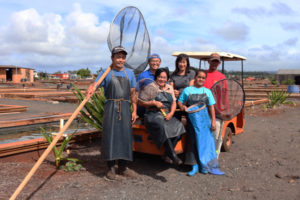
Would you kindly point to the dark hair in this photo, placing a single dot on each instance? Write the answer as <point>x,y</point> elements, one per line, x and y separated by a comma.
<point>201,70</point>
<point>179,58</point>
<point>122,52</point>
<point>161,70</point>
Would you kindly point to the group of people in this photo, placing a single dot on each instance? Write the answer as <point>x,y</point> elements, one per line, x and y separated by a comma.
<point>157,105</point>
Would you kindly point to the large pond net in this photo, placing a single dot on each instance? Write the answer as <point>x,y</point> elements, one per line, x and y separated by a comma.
<point>230,98</point>
<point>129,30</point>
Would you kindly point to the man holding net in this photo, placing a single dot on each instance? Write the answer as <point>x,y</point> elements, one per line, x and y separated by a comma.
<point>116,143</point>
<point>213,76</point>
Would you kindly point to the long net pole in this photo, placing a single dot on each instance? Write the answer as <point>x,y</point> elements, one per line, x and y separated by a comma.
<point>47,151</point>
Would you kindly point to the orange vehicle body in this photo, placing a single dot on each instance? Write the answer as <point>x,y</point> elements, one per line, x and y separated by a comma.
<point>143,144</point>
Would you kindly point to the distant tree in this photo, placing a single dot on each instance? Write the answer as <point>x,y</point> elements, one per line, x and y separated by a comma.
<point>72,71</point>
<point>58,72</point>
<point>43,75</point>
<point>84,73</point>
<point>99,70</point>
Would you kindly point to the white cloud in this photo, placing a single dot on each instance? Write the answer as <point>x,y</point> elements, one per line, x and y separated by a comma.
<point>233,31</point>
<point>47,36</point>
<point>52,40</point>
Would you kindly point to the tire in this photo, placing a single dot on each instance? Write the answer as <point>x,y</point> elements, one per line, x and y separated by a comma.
<point>227,140</point>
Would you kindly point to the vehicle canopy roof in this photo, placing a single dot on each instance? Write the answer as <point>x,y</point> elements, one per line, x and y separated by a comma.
<point>204,55</point>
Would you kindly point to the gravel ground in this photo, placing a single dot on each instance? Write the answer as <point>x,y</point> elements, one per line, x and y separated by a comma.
<point>263,163</point>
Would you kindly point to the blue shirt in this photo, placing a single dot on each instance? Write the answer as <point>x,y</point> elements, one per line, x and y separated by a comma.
<point>129,74</point>
<point>193,90</point>
<point>145,74</point>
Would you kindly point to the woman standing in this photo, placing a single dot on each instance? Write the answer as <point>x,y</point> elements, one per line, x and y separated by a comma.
<point>201,150</point>
<point>182,76</point>
<point>165,130</point>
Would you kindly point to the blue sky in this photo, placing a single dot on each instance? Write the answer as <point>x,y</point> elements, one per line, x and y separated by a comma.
<point>69,35</point>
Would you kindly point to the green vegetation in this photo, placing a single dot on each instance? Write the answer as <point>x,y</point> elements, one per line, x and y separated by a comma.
<point>84,73</point>
<point>288,82</point>
<point>276,98</point>
<point>72,163</point>
<point>43,75</point>
<point>71,166</point>
<point>94,108</point>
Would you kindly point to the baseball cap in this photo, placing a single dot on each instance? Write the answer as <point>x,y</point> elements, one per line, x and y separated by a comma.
<point>214,56</point>
<point>118,49</point>
<point>154,55</point>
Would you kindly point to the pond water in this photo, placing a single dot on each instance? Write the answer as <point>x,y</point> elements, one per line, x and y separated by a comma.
<point>15,134</point>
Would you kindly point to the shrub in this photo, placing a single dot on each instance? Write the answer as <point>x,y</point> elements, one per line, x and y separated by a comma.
<point>94,108</point>
<point>277,98</point>
<point>290,82</point>
<point>274,82</point>
<point>58,153</point>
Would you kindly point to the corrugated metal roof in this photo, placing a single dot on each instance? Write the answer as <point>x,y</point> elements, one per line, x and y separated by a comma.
<point>288,71</point>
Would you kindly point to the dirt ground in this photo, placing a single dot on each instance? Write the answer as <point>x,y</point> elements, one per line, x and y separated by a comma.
<point>263,163</point>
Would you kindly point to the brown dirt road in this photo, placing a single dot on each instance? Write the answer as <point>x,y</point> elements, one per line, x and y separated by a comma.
<point>263,163</point>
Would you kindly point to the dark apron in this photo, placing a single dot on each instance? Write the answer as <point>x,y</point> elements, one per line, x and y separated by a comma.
<point>191,154</point>
<point>159,128</point>
<point>117,130</point>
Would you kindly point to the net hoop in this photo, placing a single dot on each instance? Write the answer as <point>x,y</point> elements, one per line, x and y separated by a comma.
<point>194,105</point>
<point>234,107</point>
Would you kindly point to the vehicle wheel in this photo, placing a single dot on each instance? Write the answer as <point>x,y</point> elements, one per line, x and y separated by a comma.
<point>227,140</point>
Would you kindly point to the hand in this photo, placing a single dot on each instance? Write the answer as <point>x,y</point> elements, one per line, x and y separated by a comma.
<point>90,91</point>
<point>176,92</point>
<point>183,108</point>
<point>168,116</point>
<point>213,125</point>
<point>158,104</point>
<point>133,117</point>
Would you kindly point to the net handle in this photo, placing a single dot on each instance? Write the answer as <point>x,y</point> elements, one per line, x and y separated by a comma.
<point>194,105</point>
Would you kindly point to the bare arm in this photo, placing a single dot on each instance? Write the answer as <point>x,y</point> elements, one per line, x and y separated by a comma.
<point>182,106</point>
<point>172,111</point>
<point>134,102</point>
<point>176,92</point>
<point>150,103</point>
<point>91,89</point>
<point>211,110</point>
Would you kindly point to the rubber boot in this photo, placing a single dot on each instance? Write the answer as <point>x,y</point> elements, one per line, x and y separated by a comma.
<point>195,170</point>
<point>111,172</point>
<point>171,153</point>
<point>216,171</point>
<point>121,166</point>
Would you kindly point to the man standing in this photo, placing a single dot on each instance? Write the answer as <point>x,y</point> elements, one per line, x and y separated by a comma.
<point>213,75</point>
<point>119,86</point>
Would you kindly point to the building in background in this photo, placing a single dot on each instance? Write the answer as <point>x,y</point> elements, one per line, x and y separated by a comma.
<point>283,75</point>
<point>60,76</point>
<point>15,74</point>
